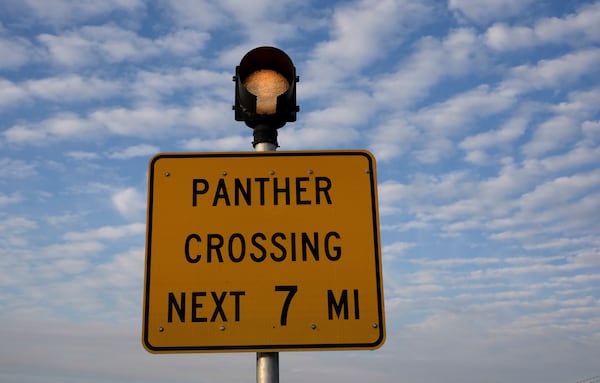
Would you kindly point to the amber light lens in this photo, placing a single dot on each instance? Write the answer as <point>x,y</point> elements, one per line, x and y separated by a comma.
<point>266,85</point>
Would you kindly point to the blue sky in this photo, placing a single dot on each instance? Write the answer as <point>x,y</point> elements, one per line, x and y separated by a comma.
<point>483,117</point>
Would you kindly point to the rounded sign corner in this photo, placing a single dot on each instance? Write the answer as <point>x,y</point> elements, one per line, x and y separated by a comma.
<point>370,156</point>
<point>380,341</point>
<point>149,347</point>
<point>367,152</point>
<point>155,158</point>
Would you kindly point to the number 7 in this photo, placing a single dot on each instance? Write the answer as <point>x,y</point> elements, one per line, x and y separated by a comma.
<point>291,290</point>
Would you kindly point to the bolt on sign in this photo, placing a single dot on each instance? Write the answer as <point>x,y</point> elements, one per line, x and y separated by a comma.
<point>263,251</point>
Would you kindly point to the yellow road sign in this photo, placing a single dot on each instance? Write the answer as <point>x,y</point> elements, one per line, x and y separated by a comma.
<point>263,251</point>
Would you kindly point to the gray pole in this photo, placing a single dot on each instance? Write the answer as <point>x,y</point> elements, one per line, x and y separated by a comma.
<point>267,363</point>
<point>267,367</point>
<point>265,147</point>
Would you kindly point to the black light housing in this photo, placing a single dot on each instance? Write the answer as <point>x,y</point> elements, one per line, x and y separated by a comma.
<point>265,92</point>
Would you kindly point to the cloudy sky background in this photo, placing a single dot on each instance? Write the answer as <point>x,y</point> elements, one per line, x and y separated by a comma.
<point>483,116</point>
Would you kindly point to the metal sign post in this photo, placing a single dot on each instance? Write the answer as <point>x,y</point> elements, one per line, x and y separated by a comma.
<point>267,367</point>
<point>267,363</point>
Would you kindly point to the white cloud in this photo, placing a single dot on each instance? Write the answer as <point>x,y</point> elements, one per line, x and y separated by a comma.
<point>572,29</point>
<point>10,93</point>
<point>551,135</point>
<point>262,21</point>
<point>349,110</point>
<point>457,262</point>
<point>11,168</point>
<point>230,143</point>
<point>481,12</point>
<point>506,134</point>
<point>431,61</point>
<point>393,138</point>
<point>580,104</point>
<point>576,27</point>
<point>59,89</point>
<point>428,130</point>
<point>107,232</point>
<point>61,12</point>
<point>70,50</point>
<point>416,76</point>
<point>60,127</point>
<point>591,130</point>
<point>389,193</point>
<point>556,72</point>
<point>152,121</point>
<point>63,219</point>
<point>67,126</point>
<point>456,114</point>
<point>14,52</point>
<point>80,155</point>
<point>561,243</point>
<point>17,225</point>
<point>187,13</point>
<point>13,198</point>
<point>72,88</point>
<point>522,203</point>
<point>435,150</point>
<point>146,121</point>
<point>580,155</point>
<point>213,117</point>
<point>129,202</point>
<point>503,37</point>
<point>114,44</point>
<point>141,150</point>
<point>360,34</point>
<point>529,226</point>
<point>122,276</point>
<point>75,249</point>
<point>560,190</point>
<point>156,85</point>
<point>185,42</point>
<point>20,134</point>
<point>477,157</point>
<point>319,137</point>
<point>396,249</point>
<point>50,263</point>
<point>589,257</point>
<point>442,122</point>
<point>511,180</point>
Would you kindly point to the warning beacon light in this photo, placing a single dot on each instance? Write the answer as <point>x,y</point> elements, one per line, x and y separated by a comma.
<point>265,92</point>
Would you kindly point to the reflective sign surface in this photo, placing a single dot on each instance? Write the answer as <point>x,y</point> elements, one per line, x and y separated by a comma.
<point>262,251</point>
